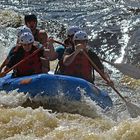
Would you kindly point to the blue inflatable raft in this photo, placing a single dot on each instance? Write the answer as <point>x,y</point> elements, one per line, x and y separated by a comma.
<point>49,86</point>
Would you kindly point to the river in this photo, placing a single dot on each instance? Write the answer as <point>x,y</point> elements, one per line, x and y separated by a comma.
<point>113,29</point>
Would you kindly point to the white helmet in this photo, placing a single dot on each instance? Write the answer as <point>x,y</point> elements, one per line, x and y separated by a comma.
<point>23,29</point>
<point>72,30</point>
<point>26,38</point>
<point>80,35</point>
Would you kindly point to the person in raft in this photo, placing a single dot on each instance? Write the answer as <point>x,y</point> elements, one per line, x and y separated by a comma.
<point>77,64</point>
<point>32,65</point>
<point>68,42</point>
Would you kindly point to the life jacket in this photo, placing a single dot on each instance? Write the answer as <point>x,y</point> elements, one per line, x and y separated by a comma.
<point>80,67</point>
<point>29,67</point>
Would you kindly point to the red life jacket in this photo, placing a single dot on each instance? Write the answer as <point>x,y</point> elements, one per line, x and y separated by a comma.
<point>80,67</point>
<point>31,66</point>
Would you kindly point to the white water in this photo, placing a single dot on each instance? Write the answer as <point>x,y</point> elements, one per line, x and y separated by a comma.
<point>100,19</point>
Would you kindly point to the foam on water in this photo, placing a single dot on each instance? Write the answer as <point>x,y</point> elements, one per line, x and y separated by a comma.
<point>12,99</point>
<point>85,107</point>
<point>26,123</point>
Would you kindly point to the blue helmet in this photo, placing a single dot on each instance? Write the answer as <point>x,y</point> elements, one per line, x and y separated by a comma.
<point>72,30</point>
<point>23,29</point>
<point>80,35</point>
<point>26,38</point>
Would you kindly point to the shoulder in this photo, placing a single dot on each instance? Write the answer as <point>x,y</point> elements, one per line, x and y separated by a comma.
<point>93,55</point>
<point>91,52</point>
<point>95,58</point>
<point>60,51</point>
<point>15,53</point>
<point>15,49</point>
<point>11,52</point>
<point>12,49</point>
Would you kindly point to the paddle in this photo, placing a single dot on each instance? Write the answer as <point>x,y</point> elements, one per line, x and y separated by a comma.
<point>22,61</point>
<point>126,69</point>
<point>58,42</point>
<point>133,110</point>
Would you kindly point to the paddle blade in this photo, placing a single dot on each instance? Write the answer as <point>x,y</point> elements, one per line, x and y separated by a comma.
<point>129,70</point>
<point>133,110</point>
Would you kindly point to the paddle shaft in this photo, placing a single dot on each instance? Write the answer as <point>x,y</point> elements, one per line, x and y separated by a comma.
<point>22,61</point>
<point>107,62</point>
<point>58,42</point>
<point>103,76</point>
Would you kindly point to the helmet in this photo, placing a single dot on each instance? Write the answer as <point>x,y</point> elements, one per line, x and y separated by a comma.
<point>30,17</point>
<point>72,30</point>
<point>26,38</point>
<point>22,30</point>
<point>80,35</point>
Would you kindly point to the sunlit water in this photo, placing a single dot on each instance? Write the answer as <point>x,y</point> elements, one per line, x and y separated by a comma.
<point>113,28</point>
